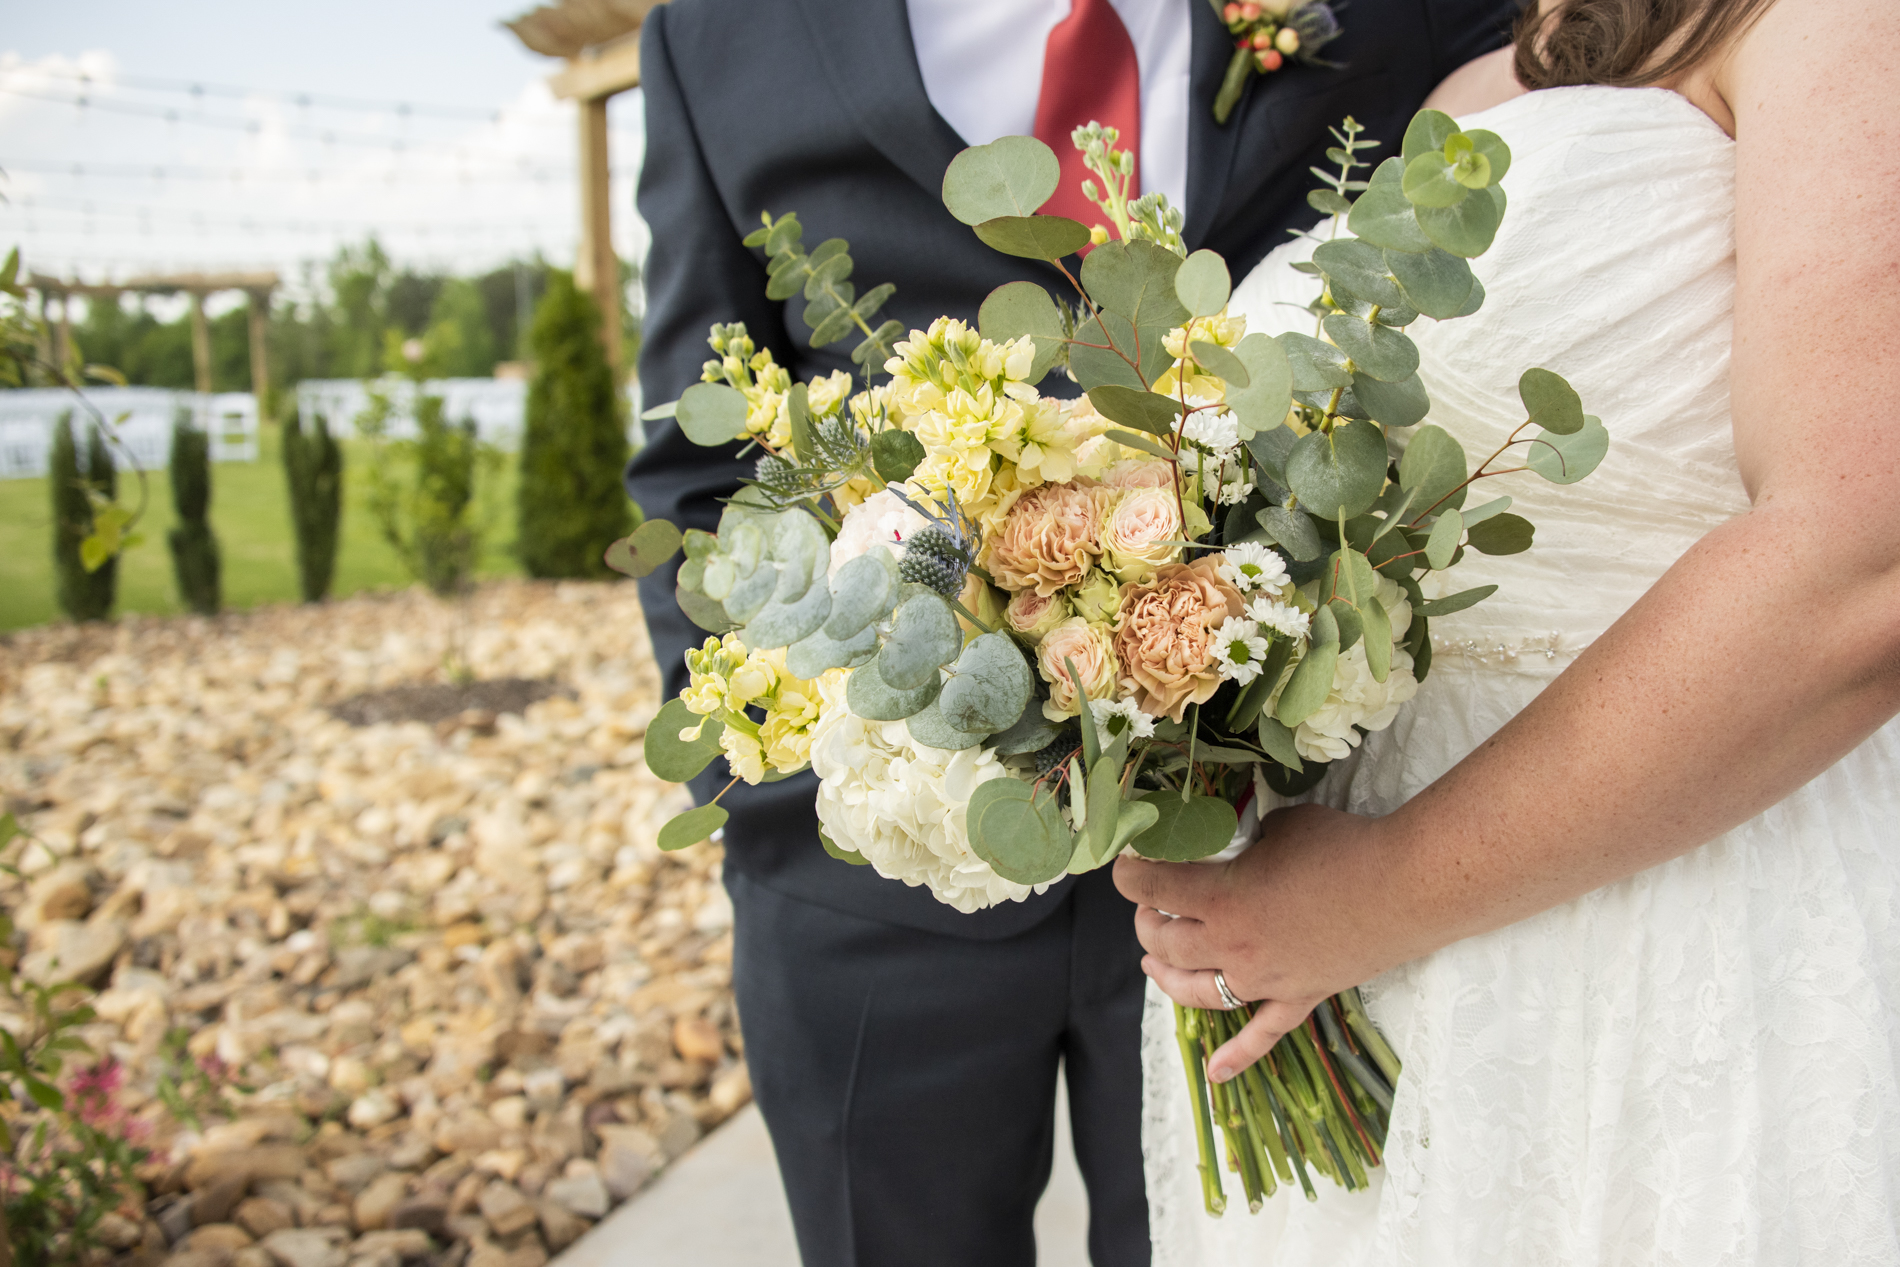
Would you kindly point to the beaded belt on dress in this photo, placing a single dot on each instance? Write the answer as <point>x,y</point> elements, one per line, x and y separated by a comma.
<point>1499,653</point>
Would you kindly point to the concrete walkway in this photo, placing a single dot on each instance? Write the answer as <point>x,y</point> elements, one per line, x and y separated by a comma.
<point>721,1205</point>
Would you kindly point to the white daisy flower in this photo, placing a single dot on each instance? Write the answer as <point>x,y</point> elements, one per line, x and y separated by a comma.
<point>1239,648</point>
<point>1251,566</point>
<point>1235,488</point>
<point>1116,717</point>
<point>1282,618</point>
<point>1216,431</point>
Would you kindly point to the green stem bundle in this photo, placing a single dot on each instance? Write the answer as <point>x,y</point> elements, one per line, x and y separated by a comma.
<point>1321,1098</point>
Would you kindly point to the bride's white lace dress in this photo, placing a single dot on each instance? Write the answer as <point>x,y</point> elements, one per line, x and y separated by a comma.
<point>1698,1065</point>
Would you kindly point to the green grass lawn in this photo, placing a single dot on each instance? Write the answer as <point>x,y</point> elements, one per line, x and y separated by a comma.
<point>250,513</point>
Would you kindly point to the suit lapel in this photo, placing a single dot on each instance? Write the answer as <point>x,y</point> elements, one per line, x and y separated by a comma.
<point>865,49</point>
<point>1210,146</point>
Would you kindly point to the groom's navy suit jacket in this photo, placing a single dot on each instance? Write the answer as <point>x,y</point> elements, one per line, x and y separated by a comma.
<point>818,107</point>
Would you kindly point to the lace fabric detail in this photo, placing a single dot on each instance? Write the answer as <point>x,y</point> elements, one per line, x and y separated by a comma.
<point>1699,1065</point>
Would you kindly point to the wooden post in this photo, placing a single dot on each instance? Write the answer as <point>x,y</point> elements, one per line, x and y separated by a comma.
<point>200,341</point>
<point>597,270</point>
<point>260,353</point>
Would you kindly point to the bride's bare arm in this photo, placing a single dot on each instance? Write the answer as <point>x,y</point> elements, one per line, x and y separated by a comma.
<point>1764,655</point>
<point>1477,85</point>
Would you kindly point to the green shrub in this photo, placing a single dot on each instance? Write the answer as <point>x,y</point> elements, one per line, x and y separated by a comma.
<point>83,594</point>
<point>313,466</point>
<point>430,520</point>
<point>194,547</point>
<point>571,505</point>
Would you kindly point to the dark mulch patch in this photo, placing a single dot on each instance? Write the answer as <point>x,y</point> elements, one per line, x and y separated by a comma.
<point>438,701</point>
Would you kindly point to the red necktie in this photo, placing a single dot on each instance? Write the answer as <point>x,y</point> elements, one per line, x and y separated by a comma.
<point>1089,74</point>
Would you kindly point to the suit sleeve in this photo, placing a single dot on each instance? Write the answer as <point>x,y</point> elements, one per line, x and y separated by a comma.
<point>697,273</point>
<point>1464,29</point>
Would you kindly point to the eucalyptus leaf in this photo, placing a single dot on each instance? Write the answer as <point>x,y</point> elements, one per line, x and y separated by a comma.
<point>1435,282</point>
<point>1400,404</point>
<point>711,413</point>
<point>1358,270</point>
<point>1431,182</point>
<point>1476,299</point>
<point>671,758</point>
<point>1501,534</point>
<point>1104,803</point>
<point>1478,514</point>
<point>1261,403</point>
<point>1186,830</point>
<point>1433,466</point>
<point>1315,366</point>
<point>1147,445</point>
<point>1143,410</point>
<point>851,856</point>
<point>1034,237</point>
<point>989,685</point>
<point>1349,575</point>
<point>1202,283</point>
<point>1429,130</point>
<point>1032,732</point>
<point>1467,229</point>
<point>1444,539</point>
<point>692,827</point>
<point>1551,402</point>
<point>924,637</point>
<point>1024,310</point>
<point>649,545</point>
<point>1381,353</point>
<point>1377,631</point>
<point>1567,459</point>
<point>818,653</point>
<point>872,700</point>
<point>1383,216</point>
<point>780,624</point>
<point>708,613</point>
<point>1270,447</point>
<point>929,728</point>
<point>1495,152</point>
<point>1012,176</point>
<point>1277,740</point>
<point>1292,532</point>
<point>1312,678</point>
<point>1136,281</point>
<point>1105,353</point>
<point>1339,473</point>
<point>862,593</point>
<point>1019,831</point>
<point>895,454</point>
<point>1445,606</point>
<point>1217,360</point>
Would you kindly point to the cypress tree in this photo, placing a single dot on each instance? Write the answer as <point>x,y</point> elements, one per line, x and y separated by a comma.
<point>571,504</point>
<point>194,548</point>
<point>82,595</point>
<point>313,467</point>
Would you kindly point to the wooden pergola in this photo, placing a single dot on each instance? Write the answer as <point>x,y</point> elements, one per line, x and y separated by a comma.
<point>257,286</point>
<point>600,41</point>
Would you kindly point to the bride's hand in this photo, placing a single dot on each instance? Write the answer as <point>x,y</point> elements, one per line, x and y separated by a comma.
<point>1280,922</point>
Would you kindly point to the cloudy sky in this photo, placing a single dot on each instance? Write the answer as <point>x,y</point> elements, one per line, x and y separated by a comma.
<point>216,134</point>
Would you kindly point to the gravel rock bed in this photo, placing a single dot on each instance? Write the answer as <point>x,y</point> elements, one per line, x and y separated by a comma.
<point>469,1003</point>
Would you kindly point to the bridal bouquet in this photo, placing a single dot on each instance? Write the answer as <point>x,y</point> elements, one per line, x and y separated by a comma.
<point>1015,634</point>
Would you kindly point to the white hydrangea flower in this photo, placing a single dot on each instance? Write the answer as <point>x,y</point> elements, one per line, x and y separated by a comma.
<point>1239,648</point>
<point>1357,699</point>
<point>1116,717</point>
<point>904,806</point>
<point>1217,431</point>
<point>1282,618</point>
<point>1252,566</point>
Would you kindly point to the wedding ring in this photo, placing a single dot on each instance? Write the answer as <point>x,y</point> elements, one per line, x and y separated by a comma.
<point>1226,995</point>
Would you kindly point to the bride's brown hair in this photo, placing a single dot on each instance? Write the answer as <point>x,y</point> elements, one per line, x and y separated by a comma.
<point>1624,43</point>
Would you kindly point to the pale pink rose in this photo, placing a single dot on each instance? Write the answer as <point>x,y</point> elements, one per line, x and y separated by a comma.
<point>1139,529</point>
<point>880,519</point>
<point>1031,615</point>
<point>1164,635</point>
<point>1140,473</point>
<point>1089,648</point>
<point>1047,541</point>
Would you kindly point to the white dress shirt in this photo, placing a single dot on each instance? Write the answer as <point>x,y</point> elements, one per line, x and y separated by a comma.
<point>982,67</point>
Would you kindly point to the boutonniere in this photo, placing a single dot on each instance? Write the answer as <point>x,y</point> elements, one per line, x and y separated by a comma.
<point>1266,35</point>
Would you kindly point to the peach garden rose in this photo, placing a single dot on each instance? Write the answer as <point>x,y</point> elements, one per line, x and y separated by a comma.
<point>1048,540</point>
